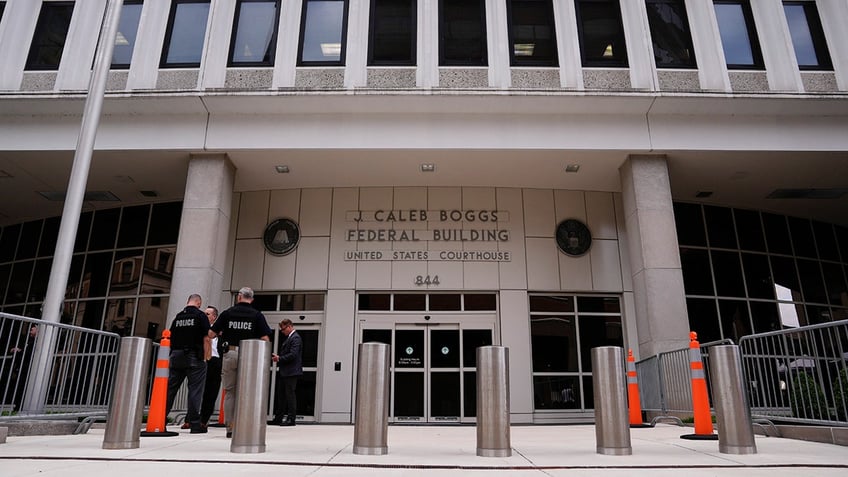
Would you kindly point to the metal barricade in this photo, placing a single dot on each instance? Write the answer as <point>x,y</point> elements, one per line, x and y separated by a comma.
<point>82,365</point>
<point>799,375</point>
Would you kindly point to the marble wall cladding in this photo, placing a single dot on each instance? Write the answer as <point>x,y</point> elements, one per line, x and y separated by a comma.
<point>391,77</point>
<point>177,79</point>
<point>319,78</point>
<point>38,81</point>
<point>529,78</point>
<point>464,77</point>
<point>748,81</point>
<point>606,79</point>
<point>248,78</point>
<point>819,81</point>
<point>117,80</point>
<point>678,80</point>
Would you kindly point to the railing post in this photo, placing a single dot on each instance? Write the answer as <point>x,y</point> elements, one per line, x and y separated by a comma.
<point>126,407</point>
<point>612,429</point>
<point>251,409</point>
<point>733,415</point>
<point>370,432</point>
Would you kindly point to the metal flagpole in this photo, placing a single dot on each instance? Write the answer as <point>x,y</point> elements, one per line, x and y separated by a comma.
<point>41,366</point>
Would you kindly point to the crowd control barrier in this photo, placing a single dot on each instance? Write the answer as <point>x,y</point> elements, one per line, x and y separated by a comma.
<point>612,429</point>
<point>252,385</point>
<point>128,396</point>
<point>371,415</point>
<point>493,439</point>
<point>733,416</point>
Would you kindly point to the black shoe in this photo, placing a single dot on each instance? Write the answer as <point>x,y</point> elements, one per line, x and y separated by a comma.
<point>287,423</point>
<point>198,430</point>
<point>275,422</point>
<point>229,434</point>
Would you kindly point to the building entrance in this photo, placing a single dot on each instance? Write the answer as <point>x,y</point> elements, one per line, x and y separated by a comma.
<point>433,364</point>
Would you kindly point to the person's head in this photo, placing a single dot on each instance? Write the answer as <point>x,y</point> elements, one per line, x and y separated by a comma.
<point>286,326</point>
<point>33,330</point>
<point>194,300</point>
<point>211,313</point>
<point>245,295</point>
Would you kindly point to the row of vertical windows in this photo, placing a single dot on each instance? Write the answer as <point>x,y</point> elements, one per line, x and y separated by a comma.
<point>462,33</point>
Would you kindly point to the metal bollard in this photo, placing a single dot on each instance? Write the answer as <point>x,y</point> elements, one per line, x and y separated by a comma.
<point>612,431</point>
<point>251,408</point>
<point>493,402</point>
<point>733,415</point>
<point>126,407</point>
<point>371,427</point>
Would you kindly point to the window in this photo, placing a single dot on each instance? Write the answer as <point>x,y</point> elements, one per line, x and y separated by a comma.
<point>185,34</point>
<point>254,33</point>
<point>322,33</point>
<point>807,36</point>
<point>48,42</point>
<point>670,34</point>
<point>462,33</point>
<point>601,33</point>
<point>738,35</point>
<point>531,33</point>
<point>2,8</point>
<point>392,36</point>
<point>127,30</point>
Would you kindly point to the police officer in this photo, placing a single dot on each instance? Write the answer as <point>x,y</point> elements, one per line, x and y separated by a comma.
<point>189,331</point>
<point>239,322</point>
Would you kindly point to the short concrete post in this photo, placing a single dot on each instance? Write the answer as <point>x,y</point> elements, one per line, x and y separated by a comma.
<point>612,428</point>
<point>126,407</point>
<point>251,409</point>
<point>733,415</point>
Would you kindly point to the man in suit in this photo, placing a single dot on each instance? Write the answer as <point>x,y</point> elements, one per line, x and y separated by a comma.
<point>289,369</point>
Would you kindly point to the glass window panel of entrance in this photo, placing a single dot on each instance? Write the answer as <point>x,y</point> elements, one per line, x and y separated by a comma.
<point>670,34</point>
<point>563,330</point>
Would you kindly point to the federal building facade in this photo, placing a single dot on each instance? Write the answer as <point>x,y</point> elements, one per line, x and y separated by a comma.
<point>545,175</point>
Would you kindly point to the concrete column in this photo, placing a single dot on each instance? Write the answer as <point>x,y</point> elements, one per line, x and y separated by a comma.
<point>661,317</point>
<point>568,46</point>
<point>144,66</point>
<point>214,72</point>
<point>356,46</point>
<point>498,44</point>
<point>776,45</point>
<point>640,51</point>
<point>706,40</point>
<point>80,45</point>
<point>288,36</point>
<point>427,44</point>
<point>204,230</point>
<point>833,14</point>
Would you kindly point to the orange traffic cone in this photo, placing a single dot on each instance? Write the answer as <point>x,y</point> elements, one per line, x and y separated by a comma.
<point>221,422</point>
<point>700,397</point>
<point>159,396</point>
<point>634,404</point>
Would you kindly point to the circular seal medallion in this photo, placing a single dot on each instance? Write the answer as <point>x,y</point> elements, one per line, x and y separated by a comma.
<point>573,237</point>
<point>281,236</point>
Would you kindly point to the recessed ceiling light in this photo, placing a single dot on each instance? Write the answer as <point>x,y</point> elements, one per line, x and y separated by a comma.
<point>149,193</point>
<point>428,167</point>
<point>701,194</point>
<point>572,168</point>
<point>282,169</point>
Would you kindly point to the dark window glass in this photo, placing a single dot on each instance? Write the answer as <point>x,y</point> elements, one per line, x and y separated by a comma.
<point>9,242</point>
<point>83,230</point>
<point>375,302</point>
<point>444,394</point>
<point>313,302</point>
<point>471,340</point>
<point>158,270</point>
<point>738,34</point>
<point>104,229</point>
<point>842,239</point>
<point>750,230</point>
<point>127,31</point>
<point>834,282</point>
<point>720,227</point>
<point>451,302</point>
<point>480,302</point>
<point>703,319</point>
<point>811,281</point>
<point>19,282</point>
<point>777,234</point>
<point>728,274</point>
<point>409,394</point>
<point>310,347</point>
<point>392,35</point>
<point>409,352</point>
<point>462,33</point>
<point>697,278</point>
<point>133,226</point>
<point>670,34</point>
<point>165,223</point>
<point>785,279</point>
<point>265,302</point>
<point>96,275</point>
<point>51,31</point>
<point>758,276</point>
<point>825,241</point>
<point>469,399</point>
<point>444,348</point>
<point>552,303</point>
<point>254,33</point>
<point>689,222</point>
<point>185,34</point>
<point>119,316</point>
<point>553,340</point>
<point>531,33</point>
<point>90,314</point>
<point>588,393</point>
<point>74,280</point>
<point>150,319</point>
<point>377,336</point>
<point>49,235</point>
<point>302,302</point>
<point>126,271</point>
<point>802,237</point>
<point>410,302</point>
<point>40,279</point>
<point>598,331</point>
<point>807,34</point>
<point>5,270</point>
<point>601,33</point>
<point>28,244</point>
<point>735,321</point>
<point>817,314</point>
<point>322,32</point>
<point>556,392</point>
<point>587,304</point>
<point>2,9</point>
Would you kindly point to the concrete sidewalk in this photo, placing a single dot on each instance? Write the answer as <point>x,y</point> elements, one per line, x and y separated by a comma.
<point>326,450</point>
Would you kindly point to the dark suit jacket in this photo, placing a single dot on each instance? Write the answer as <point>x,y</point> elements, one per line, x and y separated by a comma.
<point>291,356</point>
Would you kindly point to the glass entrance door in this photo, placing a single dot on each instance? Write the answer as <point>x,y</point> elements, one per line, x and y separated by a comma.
<point>433,368</point>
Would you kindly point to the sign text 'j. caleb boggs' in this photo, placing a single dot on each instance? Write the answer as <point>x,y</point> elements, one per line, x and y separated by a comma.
<point>471,225</point>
